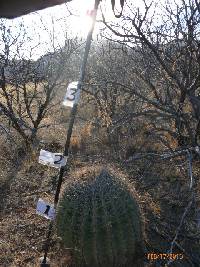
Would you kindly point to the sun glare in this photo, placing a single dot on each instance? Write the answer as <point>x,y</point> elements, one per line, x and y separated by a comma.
<point>82,20</point>
<point>81,25</point>
<point>48,28</point>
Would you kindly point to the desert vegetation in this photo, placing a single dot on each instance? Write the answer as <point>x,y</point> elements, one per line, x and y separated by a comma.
<point>132,176</point>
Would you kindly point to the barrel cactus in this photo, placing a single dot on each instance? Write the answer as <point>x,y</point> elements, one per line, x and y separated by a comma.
<point>99,218</point>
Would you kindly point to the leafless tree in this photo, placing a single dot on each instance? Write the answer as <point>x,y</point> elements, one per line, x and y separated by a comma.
<point>107,68</point>
<point>27,86</point>
<point>163,44</point>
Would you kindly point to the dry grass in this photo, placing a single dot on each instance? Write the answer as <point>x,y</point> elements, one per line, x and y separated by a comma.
<point>162,189</point>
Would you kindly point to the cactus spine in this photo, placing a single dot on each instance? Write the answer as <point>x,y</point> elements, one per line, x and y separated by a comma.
<point>99,218</point>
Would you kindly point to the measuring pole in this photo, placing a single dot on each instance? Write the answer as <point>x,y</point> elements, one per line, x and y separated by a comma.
<point>44,262</point>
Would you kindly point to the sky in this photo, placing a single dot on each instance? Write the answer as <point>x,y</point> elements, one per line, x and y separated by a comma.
<point>53,23</point>
<point>48,28</point>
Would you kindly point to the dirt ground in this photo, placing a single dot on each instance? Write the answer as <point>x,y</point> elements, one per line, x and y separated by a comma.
<point>163,192</point>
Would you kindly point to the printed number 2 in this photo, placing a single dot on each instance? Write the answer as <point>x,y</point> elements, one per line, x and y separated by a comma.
<point>71,97</point>
<point>59,160</point>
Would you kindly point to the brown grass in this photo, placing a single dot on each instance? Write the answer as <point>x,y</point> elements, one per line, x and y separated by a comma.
<point>162,193</point>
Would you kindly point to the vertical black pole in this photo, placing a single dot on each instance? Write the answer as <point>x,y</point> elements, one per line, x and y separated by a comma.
<point>70,129</point>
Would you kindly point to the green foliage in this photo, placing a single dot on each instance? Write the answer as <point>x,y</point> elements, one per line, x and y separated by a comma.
<point>98,217</point>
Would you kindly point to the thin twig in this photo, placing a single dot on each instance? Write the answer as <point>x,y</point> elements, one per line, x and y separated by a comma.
<point>190,168</point>
<point>179,228</point>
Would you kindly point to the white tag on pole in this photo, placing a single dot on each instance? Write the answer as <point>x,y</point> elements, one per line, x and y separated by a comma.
<point>56,160</point>
<point>72,95</point>
<point>45,209</point>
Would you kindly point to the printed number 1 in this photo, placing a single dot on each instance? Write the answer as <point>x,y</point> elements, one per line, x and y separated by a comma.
<point>71,97</point>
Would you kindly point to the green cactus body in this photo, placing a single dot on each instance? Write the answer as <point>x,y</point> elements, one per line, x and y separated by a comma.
<point>98,217</point>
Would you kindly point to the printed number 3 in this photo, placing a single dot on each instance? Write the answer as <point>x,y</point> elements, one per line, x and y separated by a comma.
<point>71,97</point>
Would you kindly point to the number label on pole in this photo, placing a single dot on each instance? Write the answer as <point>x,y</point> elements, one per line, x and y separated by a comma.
<point>45,209</point>
<point>72,95</point>
<point>56,160</point>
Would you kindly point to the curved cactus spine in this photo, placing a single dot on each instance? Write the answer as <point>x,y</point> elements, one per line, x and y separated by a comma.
<point>99,218</point>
